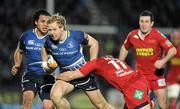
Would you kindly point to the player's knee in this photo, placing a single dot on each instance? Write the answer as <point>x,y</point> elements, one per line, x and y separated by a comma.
<point>27,102</point>
<point>48,104</point>
<point>55,97</point>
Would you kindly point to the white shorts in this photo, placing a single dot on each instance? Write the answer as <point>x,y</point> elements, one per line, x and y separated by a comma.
<point>173,90</point>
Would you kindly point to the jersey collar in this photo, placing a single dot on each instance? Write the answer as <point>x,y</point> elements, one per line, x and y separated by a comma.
<point>140,34</point>
<point>36,34</point>
<point>64,38</point>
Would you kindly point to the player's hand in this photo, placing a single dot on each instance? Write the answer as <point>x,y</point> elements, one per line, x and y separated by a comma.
<point>15,69</point>
<point>159,64</point>
<point>65,76</point>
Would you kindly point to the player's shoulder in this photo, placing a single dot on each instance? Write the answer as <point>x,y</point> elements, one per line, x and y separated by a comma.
<point>74,32</point>
<point>133,32</point>
<point>30,31</point>
<point>156,33</point>
<point>26,34</point>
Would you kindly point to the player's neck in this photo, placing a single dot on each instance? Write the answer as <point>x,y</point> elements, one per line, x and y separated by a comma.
<point>143,35</point>
<point>63,36</point>
<point>39,34</point>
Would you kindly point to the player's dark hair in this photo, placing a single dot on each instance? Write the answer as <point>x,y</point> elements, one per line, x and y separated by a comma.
<point>148,13</point>
<point>36,15</point>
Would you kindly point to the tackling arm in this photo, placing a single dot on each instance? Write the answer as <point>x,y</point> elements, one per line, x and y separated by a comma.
<point>69,75</point>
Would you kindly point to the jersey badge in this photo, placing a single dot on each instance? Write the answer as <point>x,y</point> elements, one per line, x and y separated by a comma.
<point>138,94</point>
<point>136,37</point>
<point>31,42</point>
<point>70,44</point>
<point>53,46</point>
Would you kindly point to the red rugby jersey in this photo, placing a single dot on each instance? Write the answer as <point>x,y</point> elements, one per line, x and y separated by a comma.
<point>148,50</point>
<point>114,71</point>
<point>174,68</point>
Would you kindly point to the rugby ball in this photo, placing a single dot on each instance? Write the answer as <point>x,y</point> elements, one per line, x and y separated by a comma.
<point>50,64</point>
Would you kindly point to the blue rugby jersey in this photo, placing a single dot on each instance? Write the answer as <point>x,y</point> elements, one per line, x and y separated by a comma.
<point>68,53</point>
<point>31,46</point>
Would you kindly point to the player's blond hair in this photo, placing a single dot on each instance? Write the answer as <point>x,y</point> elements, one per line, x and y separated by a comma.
<point>59,19</point>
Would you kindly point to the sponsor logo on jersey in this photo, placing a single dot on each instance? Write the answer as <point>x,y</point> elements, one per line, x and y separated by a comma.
<point>31,42</point>
<point>144,51</point>
<point>138,94</point>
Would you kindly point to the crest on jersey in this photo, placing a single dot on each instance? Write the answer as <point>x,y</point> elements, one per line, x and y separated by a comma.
<point>136,37</point>
<point>54,46</point>
<point>70,44</point>
<point>138,94</point>
<point>31,42</point>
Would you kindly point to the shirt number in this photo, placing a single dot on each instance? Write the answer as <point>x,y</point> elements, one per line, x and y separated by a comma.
<point>115,64</point>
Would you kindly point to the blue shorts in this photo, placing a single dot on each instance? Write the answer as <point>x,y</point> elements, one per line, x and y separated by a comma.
<point>40,85</point>
<point>87,83</point>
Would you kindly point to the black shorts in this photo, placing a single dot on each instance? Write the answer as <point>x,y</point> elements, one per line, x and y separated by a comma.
<point>38,84</point>
<point>87,83</point>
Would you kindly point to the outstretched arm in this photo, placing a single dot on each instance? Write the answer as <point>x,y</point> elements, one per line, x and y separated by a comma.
<point>69,75</point>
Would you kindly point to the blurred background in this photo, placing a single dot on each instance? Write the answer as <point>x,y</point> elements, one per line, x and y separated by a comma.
<point>109,21</point>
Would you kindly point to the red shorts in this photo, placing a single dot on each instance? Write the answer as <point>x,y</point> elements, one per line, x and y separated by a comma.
<point>136,92</point>
<point>157,84</point>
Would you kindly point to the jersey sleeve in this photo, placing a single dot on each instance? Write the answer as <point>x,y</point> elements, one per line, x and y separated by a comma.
<point>127,42</point>
<point>48,50</point>
<point>21,45</point>
<point>164,42</point>
<point>88,67</point>
<point>82,37</point>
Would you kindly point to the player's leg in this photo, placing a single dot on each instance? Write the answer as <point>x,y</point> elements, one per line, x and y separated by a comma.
<point>161,97</point>
<point>112,96</point>
<point>29,90</point>
<point>98,100</point>
<point>44,92</point>
<point>58,92</point>
<point>47,104</point>
<point>44,95</point>
<point>28,97</point>
<point>173,93</point>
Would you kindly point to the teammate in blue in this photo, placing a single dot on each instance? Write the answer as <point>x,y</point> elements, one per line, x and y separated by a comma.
<point>35,79</point>
<point>66,48</point>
